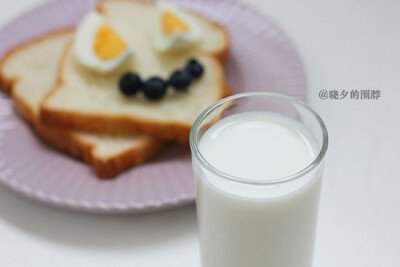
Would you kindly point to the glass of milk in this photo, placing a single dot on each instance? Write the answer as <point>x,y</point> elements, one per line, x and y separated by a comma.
<point>258,162</point>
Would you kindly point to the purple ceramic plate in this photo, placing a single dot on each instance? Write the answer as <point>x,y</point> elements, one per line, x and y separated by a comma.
<point>261,59</point>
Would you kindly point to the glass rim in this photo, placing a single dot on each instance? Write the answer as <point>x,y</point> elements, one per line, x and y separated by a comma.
<point>315,163</point>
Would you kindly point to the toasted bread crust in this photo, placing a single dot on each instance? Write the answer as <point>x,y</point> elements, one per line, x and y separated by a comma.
<point>223,54</point>
<point>68,141</point>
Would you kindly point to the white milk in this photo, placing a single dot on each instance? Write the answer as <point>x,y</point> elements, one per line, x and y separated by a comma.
<point>244,225</point>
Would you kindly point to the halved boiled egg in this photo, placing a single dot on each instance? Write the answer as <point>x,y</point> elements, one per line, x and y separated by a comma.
<point>175,29</point>
<point>98,46</point>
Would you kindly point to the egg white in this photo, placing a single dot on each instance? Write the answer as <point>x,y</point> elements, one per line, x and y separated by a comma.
<point>177,40</point>
<point>84,46</point>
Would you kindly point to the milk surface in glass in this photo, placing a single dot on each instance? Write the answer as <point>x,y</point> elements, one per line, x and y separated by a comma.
<point>252,225</point>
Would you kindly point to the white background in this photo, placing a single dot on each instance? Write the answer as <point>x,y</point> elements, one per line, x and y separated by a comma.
<point>345,45</point>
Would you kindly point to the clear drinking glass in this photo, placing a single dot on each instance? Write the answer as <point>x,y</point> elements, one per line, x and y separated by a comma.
<point>274,223</point>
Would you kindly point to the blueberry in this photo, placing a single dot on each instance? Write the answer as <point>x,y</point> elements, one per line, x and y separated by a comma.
<point>130,84</point>
<point>180,80</point>
<point>194,68</point>
<point>154,88</point>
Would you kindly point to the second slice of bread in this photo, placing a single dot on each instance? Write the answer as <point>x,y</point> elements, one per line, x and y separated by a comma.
<point>86,101</point>
<point>29,73</point>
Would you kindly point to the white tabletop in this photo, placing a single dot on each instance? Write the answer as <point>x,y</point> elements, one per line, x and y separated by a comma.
<point>345,45</point>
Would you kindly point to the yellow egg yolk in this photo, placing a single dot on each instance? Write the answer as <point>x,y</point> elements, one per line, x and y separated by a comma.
<point>108,44</point>
<point>172,23</point>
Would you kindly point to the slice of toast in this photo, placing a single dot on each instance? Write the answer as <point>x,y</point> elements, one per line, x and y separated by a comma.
<point>29,72</point>
<point>85,101</point>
